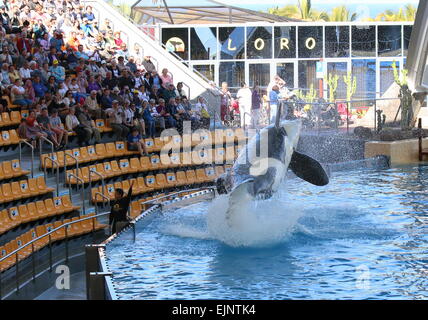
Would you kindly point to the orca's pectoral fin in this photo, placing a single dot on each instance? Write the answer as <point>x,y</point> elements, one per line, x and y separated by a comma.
<point>308,169</point>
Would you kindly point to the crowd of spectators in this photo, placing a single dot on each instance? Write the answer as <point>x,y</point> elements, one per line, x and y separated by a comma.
<point>68,70</point>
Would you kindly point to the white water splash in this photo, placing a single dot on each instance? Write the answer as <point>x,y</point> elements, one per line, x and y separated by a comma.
<point>252,223</point>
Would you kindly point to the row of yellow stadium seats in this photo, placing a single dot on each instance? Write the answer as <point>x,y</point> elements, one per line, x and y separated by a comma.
<point>160,182</point>
<point>77,229</point>
<point>99,152</point>
<point>145,164</point>
<point>86,154</point>
<point>23,189</point>
<point>9,137</point>
<point>9,103</point>
<point>11,169</point>
<point>10,119</point>
<point>13,217</point>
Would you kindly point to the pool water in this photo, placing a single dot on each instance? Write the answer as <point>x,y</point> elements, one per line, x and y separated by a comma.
<point>364,236</point>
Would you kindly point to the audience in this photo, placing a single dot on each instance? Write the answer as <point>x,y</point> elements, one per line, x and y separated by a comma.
<point>57,62</point>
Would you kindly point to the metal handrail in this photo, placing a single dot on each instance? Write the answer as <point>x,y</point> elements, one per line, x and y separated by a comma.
<point>176,193</point>
<point>102,196</point>
<point>71,175</point>
<point>66,154</point>
<point>42,138</point>
<point>57,172</point>
<point>97,174</point>
<point>32,155</point>
<point>50,233</point>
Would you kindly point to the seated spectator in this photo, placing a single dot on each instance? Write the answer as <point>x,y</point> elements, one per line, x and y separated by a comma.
<point>44,121</point>
<point>58,71</point>
<point>135,143</point>
<point>18,94</point>
<point>89,125</point>
<point>33,129</point>
<point>163,111</point>
<point>72,124</point>
<point>149,119</point>
<point>58,128</point>
<point>116,114</point>
<point>94,108</point>
<point>148,65</point>
<point>158,118</point>
<point>166,78</point>
<point>39,88</point>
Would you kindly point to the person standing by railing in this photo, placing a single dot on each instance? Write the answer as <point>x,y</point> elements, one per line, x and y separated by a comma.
<point>119,208</point>
<point>256,103</point>
<point>273,103</point>
<point>226,99</point>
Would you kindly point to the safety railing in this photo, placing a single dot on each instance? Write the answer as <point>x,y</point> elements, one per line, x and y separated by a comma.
<point>324,114</point>
<point>104,203</point>
<point>99,278</point>
<point>103,184</point>
<point>81,183</point>
<point>32,155</point>
<point>66,154</point>
<point>41,139</point>
<point>56,163</point>
<point>49,235</point>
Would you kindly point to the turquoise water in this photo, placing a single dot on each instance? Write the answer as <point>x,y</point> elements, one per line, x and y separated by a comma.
<point>365,236</point>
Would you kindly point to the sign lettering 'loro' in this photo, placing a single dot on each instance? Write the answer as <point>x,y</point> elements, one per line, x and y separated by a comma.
<point>177,45</point>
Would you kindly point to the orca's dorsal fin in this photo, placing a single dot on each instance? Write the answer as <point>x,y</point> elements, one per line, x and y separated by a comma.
<point>308,169</point>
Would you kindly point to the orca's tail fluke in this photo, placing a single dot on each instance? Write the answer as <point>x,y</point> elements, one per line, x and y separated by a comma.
<point>308,169</point>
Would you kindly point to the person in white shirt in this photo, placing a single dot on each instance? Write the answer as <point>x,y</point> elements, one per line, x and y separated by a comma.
<point>25,71</point>
<point>244,97</point>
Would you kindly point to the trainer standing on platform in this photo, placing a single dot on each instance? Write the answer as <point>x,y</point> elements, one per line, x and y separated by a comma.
<point>119,210</point>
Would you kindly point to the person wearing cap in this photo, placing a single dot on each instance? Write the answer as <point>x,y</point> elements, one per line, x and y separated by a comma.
<point>169,93</point>
<point>58,71</point>
<point>115,95</point>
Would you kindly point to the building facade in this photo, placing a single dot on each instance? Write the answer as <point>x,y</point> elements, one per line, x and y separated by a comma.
<point>301,53</point>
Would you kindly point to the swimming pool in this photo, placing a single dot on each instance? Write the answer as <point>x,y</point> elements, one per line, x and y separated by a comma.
<point>364,236</point>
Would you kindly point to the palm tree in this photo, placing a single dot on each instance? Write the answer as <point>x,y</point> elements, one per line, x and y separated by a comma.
<point>341,13</point>
<point>408,14</point>
<point>303,11</point>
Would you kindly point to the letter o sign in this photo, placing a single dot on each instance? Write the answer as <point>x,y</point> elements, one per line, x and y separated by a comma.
<point>259,44</point>
<point>310,43</point>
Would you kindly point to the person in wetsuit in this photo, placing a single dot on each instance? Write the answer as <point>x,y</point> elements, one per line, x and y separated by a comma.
<point>119,208</point>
